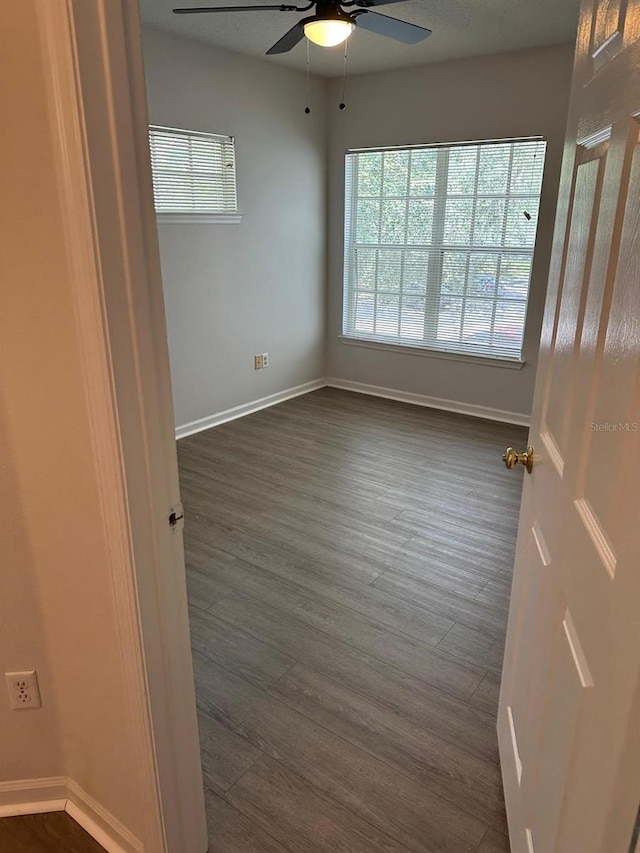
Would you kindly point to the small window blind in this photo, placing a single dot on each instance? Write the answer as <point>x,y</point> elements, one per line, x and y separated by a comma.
<point>439,245</point>
<point>192,172</point>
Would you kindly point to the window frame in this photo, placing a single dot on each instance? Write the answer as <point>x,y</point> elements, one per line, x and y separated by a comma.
<point>221,217</point>
<point>436,247</point>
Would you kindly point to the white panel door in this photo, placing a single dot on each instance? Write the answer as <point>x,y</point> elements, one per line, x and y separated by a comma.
<point>569,718</point>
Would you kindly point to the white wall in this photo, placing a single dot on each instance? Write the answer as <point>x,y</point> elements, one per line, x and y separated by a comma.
<point>235,290</point>
<point>512,95</point>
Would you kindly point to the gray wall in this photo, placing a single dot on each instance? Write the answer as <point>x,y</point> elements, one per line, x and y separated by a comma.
<point>235,290</point>
<point>512,95</point>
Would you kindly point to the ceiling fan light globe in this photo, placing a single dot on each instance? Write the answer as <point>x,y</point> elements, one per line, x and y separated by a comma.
<point>327,32</point>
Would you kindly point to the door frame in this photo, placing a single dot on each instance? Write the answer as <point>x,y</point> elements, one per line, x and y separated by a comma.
<point>92,58</point>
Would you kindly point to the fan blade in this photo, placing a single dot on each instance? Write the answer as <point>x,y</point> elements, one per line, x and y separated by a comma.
<point>289,40</point>
<point>200,9</point>
<point>369,4</point>
<point>390,27</point>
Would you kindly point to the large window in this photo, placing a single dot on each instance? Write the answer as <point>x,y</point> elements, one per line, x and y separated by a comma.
<point>439,245</point>
<point>194,174</point>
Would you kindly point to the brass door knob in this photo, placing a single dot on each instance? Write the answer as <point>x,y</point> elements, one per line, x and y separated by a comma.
<point>511,458</point>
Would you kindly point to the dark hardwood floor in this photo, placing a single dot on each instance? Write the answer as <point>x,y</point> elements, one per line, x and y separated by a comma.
<point>349,564</point>
<point>54,832</point>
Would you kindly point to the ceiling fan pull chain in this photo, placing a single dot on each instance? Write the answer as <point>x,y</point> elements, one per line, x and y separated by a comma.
<point>307,109</point>
<point>343,105</point>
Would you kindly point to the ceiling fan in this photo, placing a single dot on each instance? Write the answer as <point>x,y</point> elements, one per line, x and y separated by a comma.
<point>331,25</point>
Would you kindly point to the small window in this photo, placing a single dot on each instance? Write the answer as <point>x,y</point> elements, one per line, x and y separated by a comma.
<point>194,174</point>
<point>439,245</point>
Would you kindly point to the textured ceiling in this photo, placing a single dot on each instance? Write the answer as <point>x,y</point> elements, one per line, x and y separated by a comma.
<point>461,28</point>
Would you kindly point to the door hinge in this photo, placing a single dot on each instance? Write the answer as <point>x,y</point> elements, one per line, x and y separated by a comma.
<point>176,517</point>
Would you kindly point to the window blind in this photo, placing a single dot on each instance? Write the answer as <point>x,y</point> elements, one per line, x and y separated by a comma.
<point>439,245</point>
<point>192,172</point>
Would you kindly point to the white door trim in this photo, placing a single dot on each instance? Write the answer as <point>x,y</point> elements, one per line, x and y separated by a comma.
<point>107,207</point>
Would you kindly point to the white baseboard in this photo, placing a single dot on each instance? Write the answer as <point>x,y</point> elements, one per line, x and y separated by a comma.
<point>431,402</point>
<point>360,388</point>
<point>247,408</point>
<point>99,823</point>
<point>33,796</point>
<point>57,794</point>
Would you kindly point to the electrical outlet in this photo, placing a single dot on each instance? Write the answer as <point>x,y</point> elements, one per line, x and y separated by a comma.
<point>257,362</point>
<point>265,359</point>
<point>24,692</point>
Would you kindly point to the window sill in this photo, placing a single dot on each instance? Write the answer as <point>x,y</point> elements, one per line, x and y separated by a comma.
<point>484,360</point>
<point>200,218</point>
